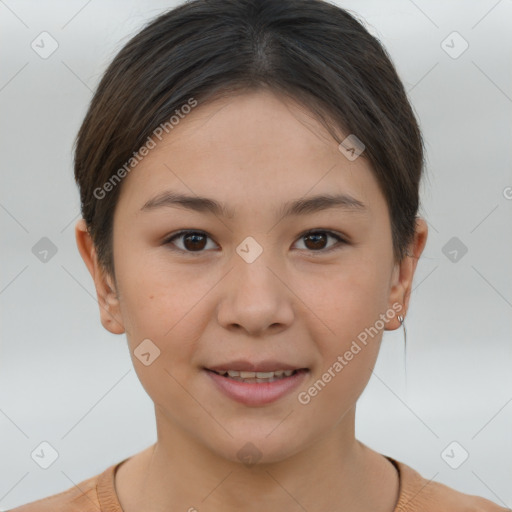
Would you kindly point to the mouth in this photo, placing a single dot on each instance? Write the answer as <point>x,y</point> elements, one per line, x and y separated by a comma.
<point>256,388</point>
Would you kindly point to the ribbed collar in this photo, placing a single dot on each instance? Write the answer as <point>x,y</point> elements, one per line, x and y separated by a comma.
<point>410,484</point>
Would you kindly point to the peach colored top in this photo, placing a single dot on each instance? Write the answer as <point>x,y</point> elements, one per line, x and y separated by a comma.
<point>416,494</point>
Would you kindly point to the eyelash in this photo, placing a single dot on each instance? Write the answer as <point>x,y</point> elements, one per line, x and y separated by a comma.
<point>341,241</point>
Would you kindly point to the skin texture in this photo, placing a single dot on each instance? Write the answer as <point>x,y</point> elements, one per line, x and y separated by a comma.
<point>295,303</point>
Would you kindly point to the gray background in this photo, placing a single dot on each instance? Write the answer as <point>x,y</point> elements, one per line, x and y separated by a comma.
<point>67,381</point>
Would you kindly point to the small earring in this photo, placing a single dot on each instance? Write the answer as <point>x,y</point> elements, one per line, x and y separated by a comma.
<point>402,322</point>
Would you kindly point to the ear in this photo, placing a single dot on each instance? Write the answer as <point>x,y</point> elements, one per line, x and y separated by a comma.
<point>403,274</point>
<point>108,300</point>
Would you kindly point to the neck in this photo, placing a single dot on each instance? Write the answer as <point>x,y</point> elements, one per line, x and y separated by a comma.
<point>336,472</point>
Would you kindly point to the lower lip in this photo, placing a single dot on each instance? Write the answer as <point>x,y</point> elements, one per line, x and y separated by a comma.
<point>257,393</point>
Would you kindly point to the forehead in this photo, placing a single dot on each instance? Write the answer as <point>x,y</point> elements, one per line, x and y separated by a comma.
<point>250,149</point>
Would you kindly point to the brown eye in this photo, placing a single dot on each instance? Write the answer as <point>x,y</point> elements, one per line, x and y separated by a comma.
<point>315,241</point>
<point>193,241</point>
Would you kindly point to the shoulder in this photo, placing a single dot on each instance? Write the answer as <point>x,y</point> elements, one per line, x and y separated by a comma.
<point>417,494</point>
<point>81,497</point>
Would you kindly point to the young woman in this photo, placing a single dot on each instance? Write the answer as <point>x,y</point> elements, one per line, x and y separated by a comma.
<point>249,177</point>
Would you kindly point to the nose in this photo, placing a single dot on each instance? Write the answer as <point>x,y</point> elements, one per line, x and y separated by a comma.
<point>256,297</point>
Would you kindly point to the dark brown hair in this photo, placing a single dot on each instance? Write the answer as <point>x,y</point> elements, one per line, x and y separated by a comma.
<point>313,51</point>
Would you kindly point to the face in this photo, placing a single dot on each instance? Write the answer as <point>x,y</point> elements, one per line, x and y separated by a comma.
<point>251,288</point>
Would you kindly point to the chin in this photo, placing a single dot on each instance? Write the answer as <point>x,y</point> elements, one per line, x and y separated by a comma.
<point>252,448</point>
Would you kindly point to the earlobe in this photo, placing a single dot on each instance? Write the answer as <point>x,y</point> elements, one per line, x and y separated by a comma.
<point>396,300</point>
<point>107,296</point>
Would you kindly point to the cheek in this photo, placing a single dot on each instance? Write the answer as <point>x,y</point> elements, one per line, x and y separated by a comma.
<point>154,296</point>
<point>349,304</point>
<point>163,312</point>
<point>163,305</point>
<point>349,298</point>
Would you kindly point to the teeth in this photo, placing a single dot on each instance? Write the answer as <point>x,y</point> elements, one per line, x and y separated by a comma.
<point>256,376</point>
<point>264,375</point>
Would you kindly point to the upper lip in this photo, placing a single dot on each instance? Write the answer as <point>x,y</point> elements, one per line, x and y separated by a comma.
<point>267,365</point>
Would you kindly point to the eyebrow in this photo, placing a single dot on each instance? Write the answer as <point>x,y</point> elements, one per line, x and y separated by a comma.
<point>302,206</point>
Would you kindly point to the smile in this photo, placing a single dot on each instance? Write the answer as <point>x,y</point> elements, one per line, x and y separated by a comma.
<point>256,388</point>
<point>253,377</point>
